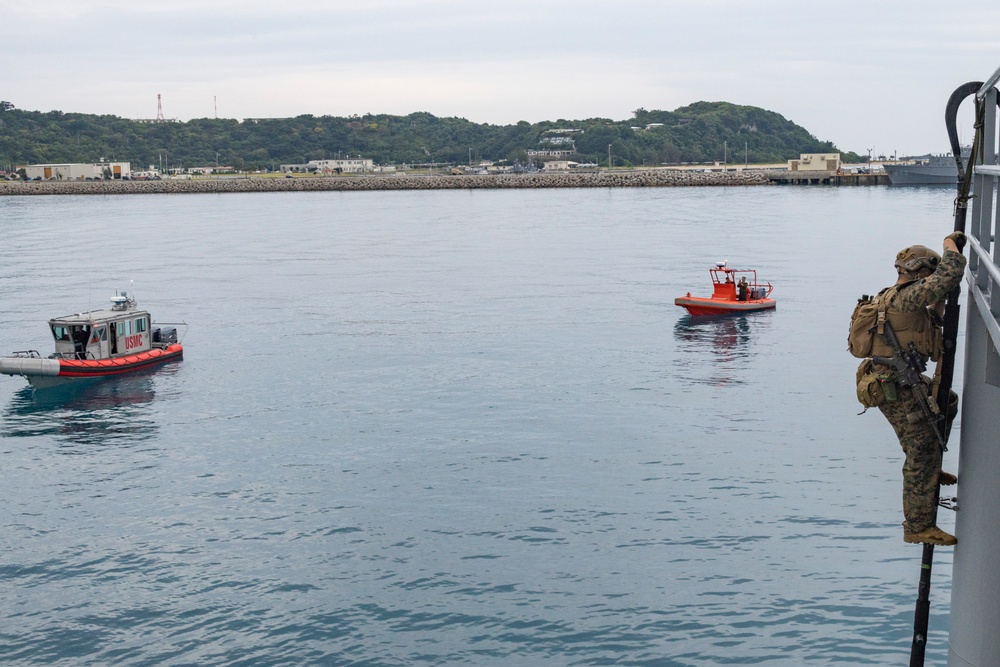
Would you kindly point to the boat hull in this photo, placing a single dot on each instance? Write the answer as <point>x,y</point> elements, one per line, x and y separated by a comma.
<point>921,175</point>
<point>708,306</point>
<point>51,372</point>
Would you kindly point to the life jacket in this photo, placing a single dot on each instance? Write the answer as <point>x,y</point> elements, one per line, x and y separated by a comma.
<point>868,323</point>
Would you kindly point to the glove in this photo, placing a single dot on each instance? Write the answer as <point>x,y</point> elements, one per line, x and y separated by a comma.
<point>958,238</point>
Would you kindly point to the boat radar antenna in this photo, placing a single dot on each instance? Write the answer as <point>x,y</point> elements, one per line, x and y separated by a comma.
<point>123,300</point>
<point>722,264</point>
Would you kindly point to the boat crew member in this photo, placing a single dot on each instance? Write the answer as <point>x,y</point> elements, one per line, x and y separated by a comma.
<point>913,307</point>
<point>742,288</point>
<point>81,335</point>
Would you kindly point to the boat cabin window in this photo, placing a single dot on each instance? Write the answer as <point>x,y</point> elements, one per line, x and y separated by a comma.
<point>60,333</point>
<point>140,325</point>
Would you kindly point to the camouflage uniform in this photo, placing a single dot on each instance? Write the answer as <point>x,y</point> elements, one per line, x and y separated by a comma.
<point>919,443</point>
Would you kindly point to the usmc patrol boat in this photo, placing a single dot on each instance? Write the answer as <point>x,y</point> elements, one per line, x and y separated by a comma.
<point>732,293</point>
<point>100,343</point>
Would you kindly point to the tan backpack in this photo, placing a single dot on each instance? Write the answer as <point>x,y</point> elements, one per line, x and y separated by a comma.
<point>918,327</point>
<point>864,322</point>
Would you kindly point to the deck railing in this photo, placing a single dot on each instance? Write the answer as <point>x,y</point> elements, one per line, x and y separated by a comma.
<point>974,636</point>
<point>984,257</point>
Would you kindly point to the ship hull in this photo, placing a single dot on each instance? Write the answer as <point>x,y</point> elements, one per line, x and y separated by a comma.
<point>707,306</point>
<point>901,174</point>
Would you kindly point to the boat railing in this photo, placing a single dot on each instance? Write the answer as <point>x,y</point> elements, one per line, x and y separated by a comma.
<point>26,354</point>
<point>984,262</point>
<point>180,339</point>
<point>975,626</point>
<point>73,355</point>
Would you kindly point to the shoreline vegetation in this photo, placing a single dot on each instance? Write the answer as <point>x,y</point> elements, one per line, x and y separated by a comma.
<point>253,183</point>
<point>703,133</point>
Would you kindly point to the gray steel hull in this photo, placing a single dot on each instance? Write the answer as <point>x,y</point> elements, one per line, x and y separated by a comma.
<point>916,174</point>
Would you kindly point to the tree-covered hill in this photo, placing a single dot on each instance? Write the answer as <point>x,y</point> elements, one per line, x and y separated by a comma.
<point>701,132</point>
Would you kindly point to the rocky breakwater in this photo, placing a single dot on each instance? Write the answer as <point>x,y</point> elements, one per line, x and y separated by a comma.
<point>652,178</point>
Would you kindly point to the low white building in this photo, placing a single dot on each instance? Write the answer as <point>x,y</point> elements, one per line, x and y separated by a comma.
<point>76,171</point>
<point>344,166</point>
<point>550,153</point>
<point>559,165</point>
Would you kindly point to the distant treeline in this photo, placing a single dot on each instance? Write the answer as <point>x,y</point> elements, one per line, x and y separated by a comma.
<point>701,132</point>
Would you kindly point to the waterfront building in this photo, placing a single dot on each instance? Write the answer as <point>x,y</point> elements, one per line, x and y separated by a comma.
<point>559,165</point>
<point>71,171</point>
<point>815,162</point>
<point>340,166</point>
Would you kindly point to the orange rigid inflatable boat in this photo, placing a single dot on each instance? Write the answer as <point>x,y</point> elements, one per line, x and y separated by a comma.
<point>99,343</point>
<point>733,291</point>
<point>85,368</point>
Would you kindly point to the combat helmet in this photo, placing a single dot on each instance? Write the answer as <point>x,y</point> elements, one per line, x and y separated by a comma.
<point>915,258</point>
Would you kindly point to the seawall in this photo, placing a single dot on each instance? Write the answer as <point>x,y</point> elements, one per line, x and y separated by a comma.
<point>623,179</point>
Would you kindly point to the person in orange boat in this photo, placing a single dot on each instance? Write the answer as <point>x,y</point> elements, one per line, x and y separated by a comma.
<point>741,288</point>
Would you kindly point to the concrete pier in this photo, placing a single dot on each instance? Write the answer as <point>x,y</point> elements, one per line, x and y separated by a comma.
<point>825,178</point>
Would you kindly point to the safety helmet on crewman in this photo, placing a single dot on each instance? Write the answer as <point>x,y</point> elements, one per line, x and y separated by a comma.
<point>915,258</point>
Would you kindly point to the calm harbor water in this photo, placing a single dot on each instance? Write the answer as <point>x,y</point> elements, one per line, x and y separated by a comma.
<point>459,428</point>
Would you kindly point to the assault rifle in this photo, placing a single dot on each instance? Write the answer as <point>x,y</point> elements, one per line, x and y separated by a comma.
<point>909,364</point>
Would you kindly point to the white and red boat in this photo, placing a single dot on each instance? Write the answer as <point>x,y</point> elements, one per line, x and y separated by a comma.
<point>732,292</point>
<point>97,344</point>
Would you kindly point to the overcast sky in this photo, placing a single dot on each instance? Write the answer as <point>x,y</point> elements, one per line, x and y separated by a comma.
<point>873,74</point>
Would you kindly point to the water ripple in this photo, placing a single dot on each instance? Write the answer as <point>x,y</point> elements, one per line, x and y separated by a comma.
<point>458,428</point>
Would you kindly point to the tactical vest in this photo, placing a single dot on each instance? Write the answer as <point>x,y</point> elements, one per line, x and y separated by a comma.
<point>867,324</point>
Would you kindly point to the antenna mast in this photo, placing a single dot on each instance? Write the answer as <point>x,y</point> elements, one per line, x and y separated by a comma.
<point>159,109</point>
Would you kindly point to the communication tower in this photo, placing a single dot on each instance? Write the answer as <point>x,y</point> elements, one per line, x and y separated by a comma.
<point>159,114</point>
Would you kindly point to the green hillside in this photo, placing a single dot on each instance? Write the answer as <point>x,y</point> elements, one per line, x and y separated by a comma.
<point>700,132</point>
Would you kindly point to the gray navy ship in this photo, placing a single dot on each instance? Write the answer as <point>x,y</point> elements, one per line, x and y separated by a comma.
<point>926,170</point>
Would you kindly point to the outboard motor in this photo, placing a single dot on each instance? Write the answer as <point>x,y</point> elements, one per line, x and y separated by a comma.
<point>165,335</point>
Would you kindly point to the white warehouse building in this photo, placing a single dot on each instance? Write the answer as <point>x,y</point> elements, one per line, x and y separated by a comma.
<point>346,165</point>
<point>77,171</point>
